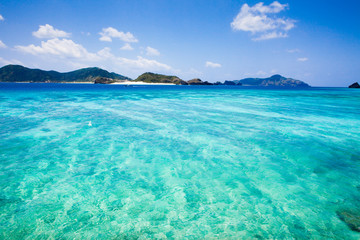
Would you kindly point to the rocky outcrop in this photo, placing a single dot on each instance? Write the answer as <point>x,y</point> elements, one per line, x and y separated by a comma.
<point>180,82</point>
<point>104,80</point>
<point>198,81</point>
<point>354,85</point>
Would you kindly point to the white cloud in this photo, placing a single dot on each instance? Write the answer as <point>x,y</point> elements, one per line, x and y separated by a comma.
<point>127,47</point>
<point>105,53</point>
<point>48,31</point>
<point>152,51</point>
<point>7,62</point>
<point>261,73</point>
<point>143,64</point>
<point>275,7</point>
<point>303,59</point>
<point>64,48</point>
<point>109,33</point>
<point>212,65</point>
<point>71,53</point>
<point>295,50</point>
<point>270,35</point>
<point>2,45</point>
<point>1,18</point>
<point>140,63</point>
<point>260,19</point>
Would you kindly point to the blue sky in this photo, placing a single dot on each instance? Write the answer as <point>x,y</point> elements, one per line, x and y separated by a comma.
<point>216,40</point>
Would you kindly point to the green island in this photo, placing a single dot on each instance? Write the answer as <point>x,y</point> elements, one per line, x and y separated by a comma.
<point>17,73</point>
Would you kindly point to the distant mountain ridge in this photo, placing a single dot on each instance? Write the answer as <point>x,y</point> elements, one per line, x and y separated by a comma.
<point>275,80</point>
<point>17,73</point>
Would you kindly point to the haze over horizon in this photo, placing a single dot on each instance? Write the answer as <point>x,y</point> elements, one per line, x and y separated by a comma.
<point>316,42</point>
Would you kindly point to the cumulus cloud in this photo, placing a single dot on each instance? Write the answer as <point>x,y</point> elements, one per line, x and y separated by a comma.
<point>140,63</point>
<point>212,65</point>
<point>48,31</point>
<point>303,59</point>
<point>105,53</point>
<point>64,48</point>
<point>1,18</point>
<point>76,55</point>
<point>127,47</point>
<point>143,64</point>
<point>152,51</point>
<point>260,19</point>
<point>2,45</point>
<point>107,34</point>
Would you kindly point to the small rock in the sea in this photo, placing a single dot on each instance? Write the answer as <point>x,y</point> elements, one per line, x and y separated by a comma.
<point>352,219</point>
<point>354,85</point>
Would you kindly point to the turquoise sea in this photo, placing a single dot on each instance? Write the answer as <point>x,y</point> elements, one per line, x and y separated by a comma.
<point>178,162</point>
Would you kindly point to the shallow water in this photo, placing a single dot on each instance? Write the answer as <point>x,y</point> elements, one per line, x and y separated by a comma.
<point>177,162</point>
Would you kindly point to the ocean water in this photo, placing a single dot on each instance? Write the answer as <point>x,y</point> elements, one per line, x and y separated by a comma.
<point>177,162</point>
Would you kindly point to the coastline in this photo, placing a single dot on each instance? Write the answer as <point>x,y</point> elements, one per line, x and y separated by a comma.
<point>54,82</point>
<point>139,83</point>
<point>116,83</point>
<point>79,82</point>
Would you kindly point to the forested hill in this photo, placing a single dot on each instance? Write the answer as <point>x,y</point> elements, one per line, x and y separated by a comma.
<point>17,73</point>
<point>275,81</point>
